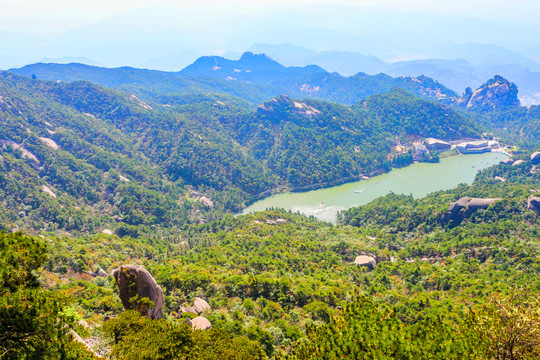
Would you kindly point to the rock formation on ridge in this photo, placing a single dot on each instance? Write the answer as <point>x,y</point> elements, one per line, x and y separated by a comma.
<point>495,93</point>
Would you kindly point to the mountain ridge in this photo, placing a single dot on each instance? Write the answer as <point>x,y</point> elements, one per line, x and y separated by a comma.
<point>220,75</point>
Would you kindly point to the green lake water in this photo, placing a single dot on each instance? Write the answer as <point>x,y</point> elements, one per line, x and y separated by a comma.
<point>418,179</point>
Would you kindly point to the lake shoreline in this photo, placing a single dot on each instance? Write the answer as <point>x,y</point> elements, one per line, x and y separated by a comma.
<point>418,179</point>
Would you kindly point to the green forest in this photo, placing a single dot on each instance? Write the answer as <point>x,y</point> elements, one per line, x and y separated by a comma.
<point>93,178</point>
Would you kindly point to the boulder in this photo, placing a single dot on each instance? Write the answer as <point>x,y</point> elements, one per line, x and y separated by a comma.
<point>199,305</point>
<point>508,161</point>
<point>533,203</point>
<point>281,221</point>
<point>136,281</point>
<point>101,273</point>
<point>367,261</point>
<point>470,204</point>
<point>199,323</point>
<point>518,162</point>
<point>535,158</point>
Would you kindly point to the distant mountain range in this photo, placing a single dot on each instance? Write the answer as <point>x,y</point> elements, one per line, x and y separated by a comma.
<point>459,66</point>
<point>258,68</point>
<point>252,77</point>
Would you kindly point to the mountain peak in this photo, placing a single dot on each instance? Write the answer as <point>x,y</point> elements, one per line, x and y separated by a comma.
<point>250,67</point>
<point>495,93</point>
<point>249,58</point>
<point>250,55</point>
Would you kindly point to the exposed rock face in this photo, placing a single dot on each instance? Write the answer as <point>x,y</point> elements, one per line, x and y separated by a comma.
<point>518,162</point>
<point>199,305</point>
<point>199,323</point>
<point>497,92</point>
<point>283,105</point>
<point>206,201</point>
<point>367,261</point>
<point>507,161</point>
<point>535,158</point>
<point>533,203</point>
<point>470,204</point>
<point>101,273</point>
<point>465,207</point>
<point>78,338</point>
<point>134,280</point>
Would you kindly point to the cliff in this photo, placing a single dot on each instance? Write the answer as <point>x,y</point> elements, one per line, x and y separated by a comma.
<point>495,93</point>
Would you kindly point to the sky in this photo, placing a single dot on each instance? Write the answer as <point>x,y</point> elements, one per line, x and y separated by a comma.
<point>60,15</point>
<point>147,33</point>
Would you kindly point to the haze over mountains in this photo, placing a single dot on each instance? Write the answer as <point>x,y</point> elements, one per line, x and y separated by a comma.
<point>254,77</point>
<point>459,47</point>
<point>457,66</point>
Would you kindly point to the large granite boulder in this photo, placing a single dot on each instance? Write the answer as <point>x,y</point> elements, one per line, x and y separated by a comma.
<point>199,323</point>
<point>367,261</point>
<point>535,158</point>
<point>463,208</point>
<point>533,203</point>
<point>199,305</point>
<point>470,204</point>
<point>136,281</point>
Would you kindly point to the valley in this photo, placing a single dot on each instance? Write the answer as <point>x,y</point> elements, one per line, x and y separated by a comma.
<point>418,179</point>
<point>138,216</point>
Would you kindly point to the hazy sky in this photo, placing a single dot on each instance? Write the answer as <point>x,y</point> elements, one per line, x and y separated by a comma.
<point>137,32</point>
<point>60,15</point>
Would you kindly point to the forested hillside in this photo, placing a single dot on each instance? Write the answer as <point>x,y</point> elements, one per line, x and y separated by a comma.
<point>97,178</point>
<point>288,283</point>
<point>93,159</point>
<point>80,157</point>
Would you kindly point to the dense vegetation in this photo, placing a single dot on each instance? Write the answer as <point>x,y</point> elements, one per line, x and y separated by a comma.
<point>518,125</point>
<point>92,159</point>
<point>282,284</point>
<point>79,162</point>
<point>33,321</point>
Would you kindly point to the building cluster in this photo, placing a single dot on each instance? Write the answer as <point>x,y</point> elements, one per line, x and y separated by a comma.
<point>423,150</point>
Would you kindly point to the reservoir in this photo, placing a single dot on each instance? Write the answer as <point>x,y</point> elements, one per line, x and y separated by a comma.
<point>418,179</point>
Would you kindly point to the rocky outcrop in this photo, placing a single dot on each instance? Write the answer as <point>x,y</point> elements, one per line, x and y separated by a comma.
<point>199,305</point>
<point>282,105</point>
<point>206,201</point>
<point>101,273</point>
<point>507,161</point>
<point>367,261</point>
<point>470,204</point>
<point>533,203</point>
<point>518,162</point>
<point>465,207</point>
<point>199,323</point>
<point>496,93</point>
<point>535,158</point>
<point>79,339</point>
<point>136,282</point>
